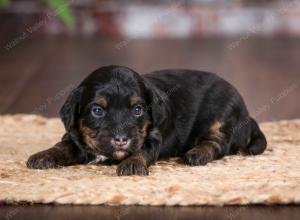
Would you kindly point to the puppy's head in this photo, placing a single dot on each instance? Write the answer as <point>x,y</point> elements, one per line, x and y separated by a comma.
<point>111,112</point>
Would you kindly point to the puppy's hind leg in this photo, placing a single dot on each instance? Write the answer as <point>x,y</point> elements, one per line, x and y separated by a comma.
<point>203,153</point>
<point>214,146</point>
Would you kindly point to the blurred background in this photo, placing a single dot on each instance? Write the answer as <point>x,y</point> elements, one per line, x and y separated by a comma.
<point>49,46</point>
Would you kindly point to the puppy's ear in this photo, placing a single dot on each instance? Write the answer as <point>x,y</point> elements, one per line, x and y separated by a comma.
<point>158,105</point>
<point>70,110</point>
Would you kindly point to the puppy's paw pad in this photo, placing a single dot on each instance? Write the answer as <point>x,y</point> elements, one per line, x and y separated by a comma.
<point>130,167</point>
<point>41,161</point>
<point>197,157</point>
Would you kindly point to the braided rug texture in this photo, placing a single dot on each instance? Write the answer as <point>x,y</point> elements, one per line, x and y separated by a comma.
<point>270,178</point>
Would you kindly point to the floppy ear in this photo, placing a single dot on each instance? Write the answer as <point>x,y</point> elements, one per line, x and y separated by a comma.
<point>70,110</point>
<point>158,104</point>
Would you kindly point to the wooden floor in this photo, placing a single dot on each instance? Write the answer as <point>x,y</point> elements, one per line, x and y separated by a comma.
<point>37,74</point>
<point>47,212</point>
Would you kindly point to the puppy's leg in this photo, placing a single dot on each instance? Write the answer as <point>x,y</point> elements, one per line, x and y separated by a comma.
<point>138,163</point>
<point>133,165</point>
<point>203,153</point>
<point>214,146</point>
<point>64,153</point>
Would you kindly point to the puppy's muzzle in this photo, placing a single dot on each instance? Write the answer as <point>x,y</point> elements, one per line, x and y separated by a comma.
<point>120,142</point>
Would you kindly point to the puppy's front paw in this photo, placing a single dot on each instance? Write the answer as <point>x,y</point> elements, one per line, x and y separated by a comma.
<point>132,166</point>
<point>41,160</point>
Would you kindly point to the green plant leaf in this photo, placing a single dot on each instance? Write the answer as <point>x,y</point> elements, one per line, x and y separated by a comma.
<point>62,9</point>
<point>4,3</point>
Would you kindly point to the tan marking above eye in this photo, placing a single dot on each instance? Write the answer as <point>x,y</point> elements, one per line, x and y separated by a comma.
<point>214,129</point>
<point>135,100</point>
<point>101,101</point>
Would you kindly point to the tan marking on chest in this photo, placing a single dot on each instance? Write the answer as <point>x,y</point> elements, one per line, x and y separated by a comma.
<point>99,158</point>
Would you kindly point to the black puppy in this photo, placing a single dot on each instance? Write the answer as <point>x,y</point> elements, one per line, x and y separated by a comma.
<point>116,114</point>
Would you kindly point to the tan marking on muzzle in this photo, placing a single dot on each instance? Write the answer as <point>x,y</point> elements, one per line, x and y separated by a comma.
<point>143,133</point>
<point>145,128</point>
<point>87,134</point>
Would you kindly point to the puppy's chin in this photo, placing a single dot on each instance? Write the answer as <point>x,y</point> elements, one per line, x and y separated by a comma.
<point>120,154</point>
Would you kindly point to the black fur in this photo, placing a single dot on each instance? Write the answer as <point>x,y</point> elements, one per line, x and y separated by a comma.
<point>192,114</point>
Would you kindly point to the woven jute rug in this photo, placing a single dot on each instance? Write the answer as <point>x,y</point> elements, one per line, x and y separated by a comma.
<point>270,178</point>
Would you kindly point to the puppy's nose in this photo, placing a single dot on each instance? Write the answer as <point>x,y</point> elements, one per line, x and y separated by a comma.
<point>120,141</point>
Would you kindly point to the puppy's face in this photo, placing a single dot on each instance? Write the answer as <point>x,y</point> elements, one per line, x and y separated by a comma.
<point>113,119</point>
<point>114,123</point>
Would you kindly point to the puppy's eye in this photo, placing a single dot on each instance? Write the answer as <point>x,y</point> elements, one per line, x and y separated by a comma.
<point>98,111</point>
<point>138,110</point>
